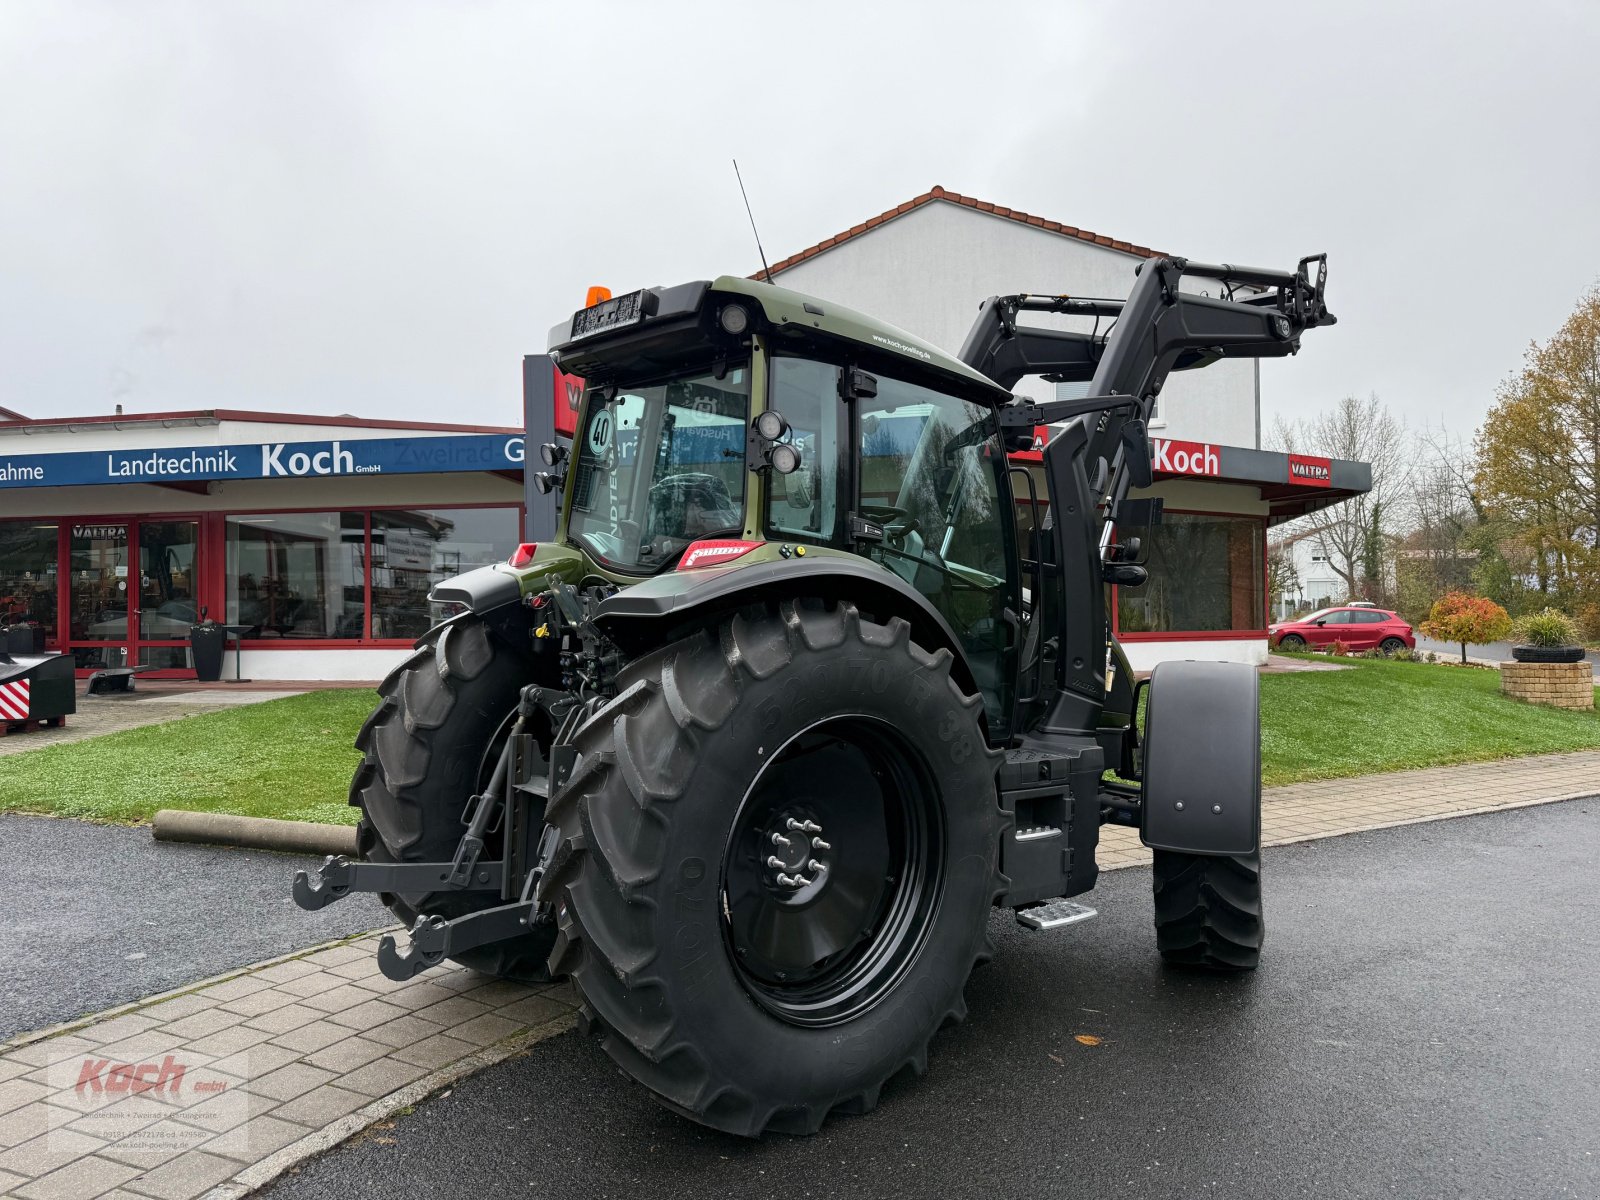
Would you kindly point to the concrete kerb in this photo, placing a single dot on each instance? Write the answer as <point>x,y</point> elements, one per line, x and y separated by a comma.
<point>252,833</point>
<point>258,1175</point>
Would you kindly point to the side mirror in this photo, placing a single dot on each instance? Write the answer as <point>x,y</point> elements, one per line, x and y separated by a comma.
<point>1320,621</point>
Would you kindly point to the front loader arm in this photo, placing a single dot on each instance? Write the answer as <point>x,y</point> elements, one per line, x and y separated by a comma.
<point>1104,449</point>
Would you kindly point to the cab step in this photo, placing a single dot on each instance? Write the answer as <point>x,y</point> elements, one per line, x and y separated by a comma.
<point>1053,914</point>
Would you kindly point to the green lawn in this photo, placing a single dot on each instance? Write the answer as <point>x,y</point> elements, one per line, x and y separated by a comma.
<point>293,759</point>
<point>289,758</point>
<point>1392,716</point>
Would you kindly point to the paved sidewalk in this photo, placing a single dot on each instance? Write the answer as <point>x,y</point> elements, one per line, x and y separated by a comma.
<point>219,1088</point>
<point>1302,812</point>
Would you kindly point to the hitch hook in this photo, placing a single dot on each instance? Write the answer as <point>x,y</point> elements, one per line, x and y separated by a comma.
<point>425,949</point>
<point>332,883</point>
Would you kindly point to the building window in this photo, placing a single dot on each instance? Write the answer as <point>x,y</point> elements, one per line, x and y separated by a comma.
<point>297,575</point>
<point>417,548</point>
<point>1206,576</point>
<point>28,577</point>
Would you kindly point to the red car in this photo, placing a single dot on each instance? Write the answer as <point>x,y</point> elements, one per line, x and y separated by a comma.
<point>1358,627</point>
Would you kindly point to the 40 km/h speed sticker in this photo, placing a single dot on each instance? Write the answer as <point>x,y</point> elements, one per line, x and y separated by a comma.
<point>600,430</point>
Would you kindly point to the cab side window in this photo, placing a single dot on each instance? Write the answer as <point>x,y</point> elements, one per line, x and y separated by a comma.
<point>805,504</point>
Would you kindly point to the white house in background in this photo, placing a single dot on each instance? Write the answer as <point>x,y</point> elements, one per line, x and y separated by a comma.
<point>927,264</point>
<point>1320,586</point>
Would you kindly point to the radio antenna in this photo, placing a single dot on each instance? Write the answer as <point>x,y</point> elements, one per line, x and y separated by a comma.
<point>765,269</point>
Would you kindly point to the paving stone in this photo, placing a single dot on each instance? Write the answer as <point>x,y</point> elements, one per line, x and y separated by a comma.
<point>196,1025</point>
<point>381,1077</point>
<point>232,989</point>
<point>334,955</point>
<point>435,1052</point>
<point>82,1180</point>
<point>222,1113</point>
<point>114,1122</point>
<point>323,1105</point>
<point>154,1044</point>
<point>29,1121</point>
<point>485,1030</point>
<point>256,1138</point>
<point>282,1020</point>
<point>185,1177</point>
<point>157,1144</point>
<point>40,1155</point>
<point>454,1011</point>
<point>419,994</point>
<point>114,1030</point>
<point>367,1015</point>
<point>310,1038</point>
<point>305,985</point>
<point>499,991</point>
<point>178,1007</point>
<point>10,1069</point>
<point>288,1082</point>
<point>9,1182</point>
<point>535,1010</point>
<point>403,1031</point>
<point>257,1060</point>
<point>335,999</point>
<point>14,1093</point>
<point>257,1003</point>
<point>347,1055</point>
<point>356,968</point>
<point>282,972</point>
<point>41,1054</point>
<point>228,1041</point>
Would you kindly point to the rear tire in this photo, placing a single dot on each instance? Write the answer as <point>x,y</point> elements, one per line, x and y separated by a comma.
<point>1208,910</point>
<point>740,1004</point>
<point>1391,646</point>
<point>427,751</point>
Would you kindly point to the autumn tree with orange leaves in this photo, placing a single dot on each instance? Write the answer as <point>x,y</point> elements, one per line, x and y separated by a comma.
<point>1538,462</point>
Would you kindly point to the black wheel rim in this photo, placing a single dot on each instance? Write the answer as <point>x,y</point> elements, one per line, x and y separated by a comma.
<point>833,872</point>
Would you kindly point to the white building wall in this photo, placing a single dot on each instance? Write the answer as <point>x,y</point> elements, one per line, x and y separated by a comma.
<point>929,269</point>
<point>1143,656</point>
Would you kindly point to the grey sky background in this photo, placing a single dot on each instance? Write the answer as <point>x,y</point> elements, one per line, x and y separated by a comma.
<point>377,208</point>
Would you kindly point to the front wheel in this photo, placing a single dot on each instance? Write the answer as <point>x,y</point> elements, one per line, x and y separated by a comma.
<point>778,862</point>
<point>1208,910</point>
<point>1292,642</point>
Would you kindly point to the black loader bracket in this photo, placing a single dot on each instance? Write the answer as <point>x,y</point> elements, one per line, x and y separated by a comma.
<point>434,939</point>
<point>1202,759</point>
<point>338,877</point>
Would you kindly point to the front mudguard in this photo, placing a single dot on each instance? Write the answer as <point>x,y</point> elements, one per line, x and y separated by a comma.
<point>1202,759</point>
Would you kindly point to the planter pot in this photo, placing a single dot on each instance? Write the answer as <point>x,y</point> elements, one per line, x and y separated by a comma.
<point>1547,654</point>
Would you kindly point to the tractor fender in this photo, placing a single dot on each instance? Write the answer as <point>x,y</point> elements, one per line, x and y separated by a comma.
<point>656,610</point>
<point>1202,759</point>
<point>480,590</point>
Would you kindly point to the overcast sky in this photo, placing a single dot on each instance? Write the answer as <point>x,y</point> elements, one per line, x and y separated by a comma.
<point>378,208</point>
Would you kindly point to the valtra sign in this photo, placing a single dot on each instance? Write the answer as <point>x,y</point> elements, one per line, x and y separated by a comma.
<point>1185,458</point>
<point>1310,470</point>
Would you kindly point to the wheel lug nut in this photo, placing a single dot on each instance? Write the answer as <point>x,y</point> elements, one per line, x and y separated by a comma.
<point>779,840</point>
<point>776,863</point>
<point>818,867</point>
<point>803,826</point>
<point>819,844</point>
<point>792,881</point>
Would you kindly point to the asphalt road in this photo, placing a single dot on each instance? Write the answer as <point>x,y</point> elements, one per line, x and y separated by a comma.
<point>93,916</point>
<point>1496,651</point>
<point>1425,1026</point>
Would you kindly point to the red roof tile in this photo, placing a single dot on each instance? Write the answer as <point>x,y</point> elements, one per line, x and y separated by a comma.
<point>939,193</point>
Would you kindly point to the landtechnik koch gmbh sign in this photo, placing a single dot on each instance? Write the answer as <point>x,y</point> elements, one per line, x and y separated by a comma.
<point>266,460</point>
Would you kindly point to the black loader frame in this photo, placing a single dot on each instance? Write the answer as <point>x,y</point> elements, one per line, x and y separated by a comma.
<point>1051,776</point>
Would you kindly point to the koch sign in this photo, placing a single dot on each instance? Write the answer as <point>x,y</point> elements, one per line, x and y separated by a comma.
<point>1185,458</point>
<point>266,460</point>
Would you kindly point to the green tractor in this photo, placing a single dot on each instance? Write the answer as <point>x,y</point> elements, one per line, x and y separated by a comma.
<point>750,749</point>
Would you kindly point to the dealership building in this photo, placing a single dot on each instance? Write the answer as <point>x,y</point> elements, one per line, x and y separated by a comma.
<point>927,264</point>
<point>319,537</point>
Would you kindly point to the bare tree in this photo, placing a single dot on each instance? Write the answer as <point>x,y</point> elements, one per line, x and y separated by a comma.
<point>1353,533</point>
